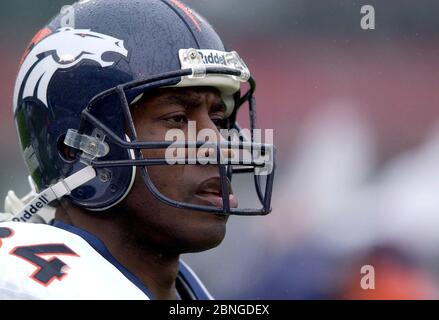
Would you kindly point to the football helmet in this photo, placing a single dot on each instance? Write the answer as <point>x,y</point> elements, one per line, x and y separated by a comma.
<point>76,84</point>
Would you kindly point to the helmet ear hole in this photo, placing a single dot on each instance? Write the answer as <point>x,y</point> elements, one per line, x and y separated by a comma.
<point>67,154</point>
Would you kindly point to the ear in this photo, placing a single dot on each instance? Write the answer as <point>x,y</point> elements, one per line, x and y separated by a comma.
<point>66,152</point>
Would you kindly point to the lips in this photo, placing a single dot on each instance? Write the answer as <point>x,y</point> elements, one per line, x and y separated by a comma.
<point>209,193</point>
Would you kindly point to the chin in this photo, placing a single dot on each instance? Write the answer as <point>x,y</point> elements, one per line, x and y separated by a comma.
<point>203,244</point>
<point>206,233</point>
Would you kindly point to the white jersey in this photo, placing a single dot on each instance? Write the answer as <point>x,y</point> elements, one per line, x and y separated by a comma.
<point>61,262</point>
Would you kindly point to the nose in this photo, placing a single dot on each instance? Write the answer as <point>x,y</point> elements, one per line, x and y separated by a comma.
<point>226,152</point>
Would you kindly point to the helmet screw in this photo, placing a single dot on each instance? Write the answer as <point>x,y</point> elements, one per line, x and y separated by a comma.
<point>113,188</point>
<point>105,176</point>
<point>193,54</point>
<point>93,146</point>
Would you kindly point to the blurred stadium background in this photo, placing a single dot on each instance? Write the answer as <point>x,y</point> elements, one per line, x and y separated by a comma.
<point>356,120</point>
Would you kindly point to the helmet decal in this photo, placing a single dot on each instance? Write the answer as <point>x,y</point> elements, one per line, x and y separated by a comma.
<point>35,40</point>
<point>63,49</point>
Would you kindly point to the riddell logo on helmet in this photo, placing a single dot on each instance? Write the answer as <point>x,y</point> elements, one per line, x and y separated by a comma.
<point>30,212</point>
<point>213,58</point>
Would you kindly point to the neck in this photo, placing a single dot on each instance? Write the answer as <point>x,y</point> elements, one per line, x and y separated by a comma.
<point>156,270</point>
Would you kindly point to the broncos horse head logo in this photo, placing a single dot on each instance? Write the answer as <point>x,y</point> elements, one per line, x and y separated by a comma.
<point>63,49</point>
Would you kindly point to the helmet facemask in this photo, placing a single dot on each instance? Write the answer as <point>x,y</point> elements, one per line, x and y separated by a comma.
<point>96,137</point>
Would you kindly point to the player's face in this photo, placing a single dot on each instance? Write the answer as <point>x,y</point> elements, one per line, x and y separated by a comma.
<point>177,229</point>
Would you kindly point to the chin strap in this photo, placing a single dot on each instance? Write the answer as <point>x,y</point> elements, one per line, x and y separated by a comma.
<point>34,207</point>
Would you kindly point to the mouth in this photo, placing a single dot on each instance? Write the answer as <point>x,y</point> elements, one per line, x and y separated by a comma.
<point>209,193</point>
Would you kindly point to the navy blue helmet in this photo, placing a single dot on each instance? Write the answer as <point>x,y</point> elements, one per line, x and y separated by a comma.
<point>76,84</point>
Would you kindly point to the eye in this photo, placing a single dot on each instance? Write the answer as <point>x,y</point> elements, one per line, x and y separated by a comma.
<point>177,120</point>
<point>220,122</point>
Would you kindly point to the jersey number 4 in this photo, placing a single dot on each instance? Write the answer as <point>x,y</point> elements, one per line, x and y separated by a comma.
<point>47,270</point>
